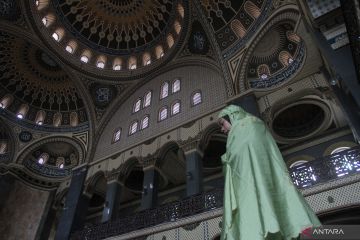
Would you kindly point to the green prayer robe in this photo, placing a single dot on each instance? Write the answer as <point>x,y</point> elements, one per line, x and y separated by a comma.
<point>260,200</point>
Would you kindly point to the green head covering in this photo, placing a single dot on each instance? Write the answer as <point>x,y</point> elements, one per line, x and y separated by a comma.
<point>234,112</point>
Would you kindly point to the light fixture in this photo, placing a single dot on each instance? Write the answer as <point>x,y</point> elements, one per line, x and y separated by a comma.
<point>40,123</point>
<point>61,166</point>
<point>100,64</point>
<point>2,105</point>
<point>20,116</point>
<point>117,67</point>
<point>56,36</point>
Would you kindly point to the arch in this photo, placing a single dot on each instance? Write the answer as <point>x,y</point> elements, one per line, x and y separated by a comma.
<point>125,168</point>
<point>284,14</point>
<point>165,149</point>
<point>207,133</point>
<point>92,181</point>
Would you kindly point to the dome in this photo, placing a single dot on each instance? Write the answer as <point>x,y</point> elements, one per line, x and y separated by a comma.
<point>34,88</point>
<point>113,35</point>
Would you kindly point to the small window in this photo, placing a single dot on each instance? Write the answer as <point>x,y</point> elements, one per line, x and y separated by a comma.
<point>137,106</point>
<point>100,64</point>
<point>196,98</point>
<point>147,99</point>
<point>176,86</point>
<point>44,157</point>
<point>133,128</point>
<point>163,113</point>
<point>175,108</point>
<point>145,122</point>
<point>164,90</point>
<point>117,135</point>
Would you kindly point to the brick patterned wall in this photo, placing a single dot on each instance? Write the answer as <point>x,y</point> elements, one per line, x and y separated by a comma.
<point>192,78</point>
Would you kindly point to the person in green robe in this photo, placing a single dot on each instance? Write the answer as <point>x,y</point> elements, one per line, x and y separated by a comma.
<point>260,200</point>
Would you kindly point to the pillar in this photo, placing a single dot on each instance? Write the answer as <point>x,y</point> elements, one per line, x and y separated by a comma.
<point>150,188</point>
<point>112,202</point>
<point>72,209</point>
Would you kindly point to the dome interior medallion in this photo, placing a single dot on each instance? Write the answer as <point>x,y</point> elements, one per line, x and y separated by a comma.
<point>36,86</point>
<point>115,35</point>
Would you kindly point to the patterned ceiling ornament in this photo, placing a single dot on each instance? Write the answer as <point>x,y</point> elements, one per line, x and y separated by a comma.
<point>34,85</point>
<point>198,41</point>
<point>274,57</point>
<point>9,10</point>
<point>234,21</point>
<point>109,34</point>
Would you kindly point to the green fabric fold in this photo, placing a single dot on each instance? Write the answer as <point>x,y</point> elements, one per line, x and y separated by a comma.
<point>260,200</point>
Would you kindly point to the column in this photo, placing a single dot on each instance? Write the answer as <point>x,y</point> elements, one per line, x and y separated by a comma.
<point>194,172</point>
<point>194,167</point>
<point>73,202</point>
<point>150,188</point>
<point>112,202</point>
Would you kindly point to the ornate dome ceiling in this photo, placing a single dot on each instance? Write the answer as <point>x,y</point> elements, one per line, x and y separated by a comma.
<point>35,88</point>
<point>112,35</point>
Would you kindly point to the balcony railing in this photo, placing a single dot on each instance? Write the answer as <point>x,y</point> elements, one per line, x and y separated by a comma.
<point>304,176</point>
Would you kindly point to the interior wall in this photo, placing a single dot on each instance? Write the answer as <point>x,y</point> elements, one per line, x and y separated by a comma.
<point>22,213</point>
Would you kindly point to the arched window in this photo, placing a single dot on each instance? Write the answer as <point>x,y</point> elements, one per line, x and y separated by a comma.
<point>159,51</point>
<point>57,119</point>
<point>144,122</point>
<point>146,59</point>
<point>85,56</point>
<point>74,119</point>
<point>175,108</point>
<point>164,91</point>
<point>170,40</point>
<point>58,34</point>
<point>40,117</point>
<point>6,101</point>
<point>3,147</point>
<point>60,162</point>
<point>238,28</point>
<point>117,64</point>
<point>147,99</point>
<point>24,108</point>
<point>263,71</point>
<point>100,62</point>
<point>163,113</point>
<point>71,47</point>
<point>285,58</point>
<point>176,86</point>
<point>251,9</point>
<point>133,127</point>
<point>117,135</point>
<point>137,105</point>
<point>132,63</point>
<point>196,98</point>
<point>44,157</point>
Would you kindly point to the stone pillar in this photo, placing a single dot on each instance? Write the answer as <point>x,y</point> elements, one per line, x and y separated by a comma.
<point>341,62</point>
<point>150,188</point>
<point>112,202</point>
<point>72,209</point>
<point>194,167</point>
<point>48,217</point>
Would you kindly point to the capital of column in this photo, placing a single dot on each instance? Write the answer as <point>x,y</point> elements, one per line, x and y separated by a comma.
<point>191,145</point>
